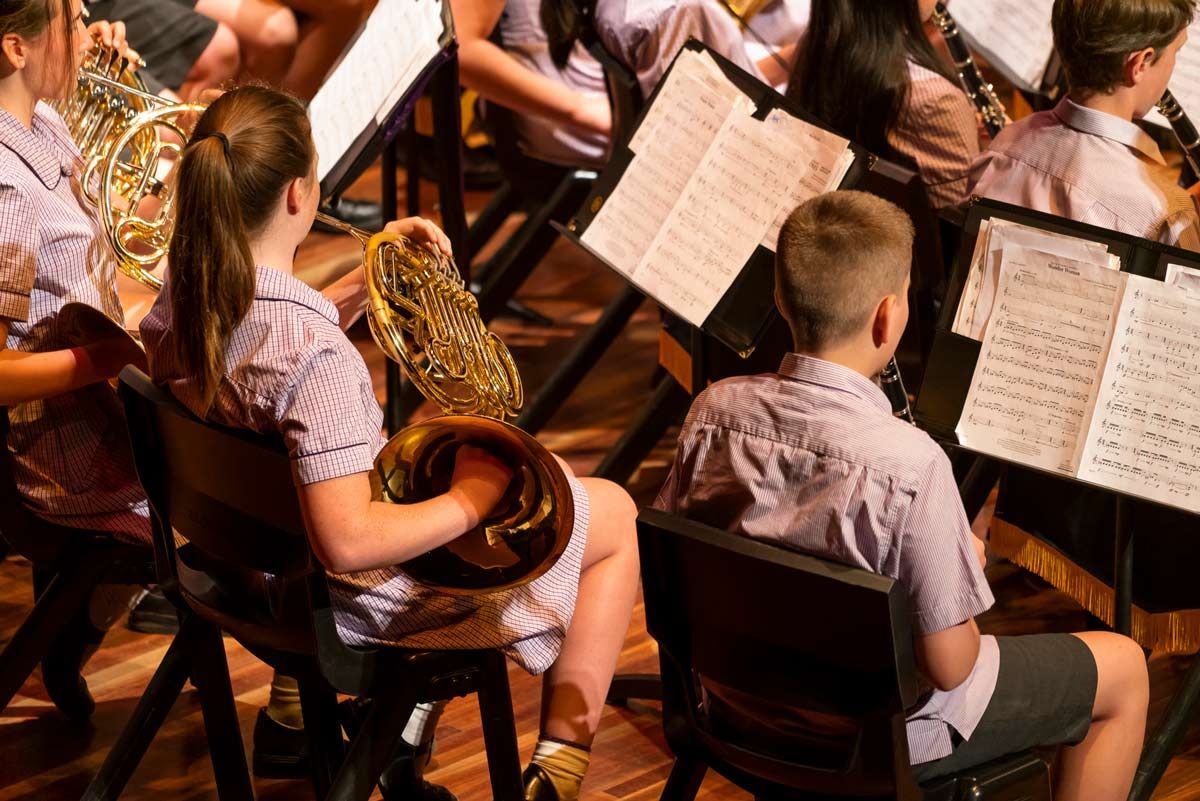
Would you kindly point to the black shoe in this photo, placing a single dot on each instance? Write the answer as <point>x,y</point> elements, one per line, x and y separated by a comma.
<point>538,786</point>
<point>61,670</point>
<point>404,777</point>
<point>280,752</point>
<point>154,614</point>
<point>365,214</point>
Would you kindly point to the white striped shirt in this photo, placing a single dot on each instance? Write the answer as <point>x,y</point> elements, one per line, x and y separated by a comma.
<point>290,369</point>
<point>1086,165</point>
<point>71,452</point>
<point>812,459</point>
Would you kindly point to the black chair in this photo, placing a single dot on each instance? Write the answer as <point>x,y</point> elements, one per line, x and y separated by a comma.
<point>245,567</point>
<point>69,565</point>
<point>804,634</point>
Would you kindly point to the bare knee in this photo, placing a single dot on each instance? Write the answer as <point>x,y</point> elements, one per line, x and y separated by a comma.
<point>278,32</point>
<point>612,518</point>
<point>223,56</point>
<point>1122,682</point>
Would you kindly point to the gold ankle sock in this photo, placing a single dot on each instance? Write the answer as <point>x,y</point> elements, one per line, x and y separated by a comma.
<point>564,764</point>
<point>284,704</point>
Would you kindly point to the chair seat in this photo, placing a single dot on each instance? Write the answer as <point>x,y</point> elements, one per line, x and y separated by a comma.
<point>1012,776</point>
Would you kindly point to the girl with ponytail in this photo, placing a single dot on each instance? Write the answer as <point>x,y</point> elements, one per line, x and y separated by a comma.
<point>67,439</point>
<point>240,341</point>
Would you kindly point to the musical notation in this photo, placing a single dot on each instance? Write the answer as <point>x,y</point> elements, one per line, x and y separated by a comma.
<point>1014,35</point>
<point>1035,383</point>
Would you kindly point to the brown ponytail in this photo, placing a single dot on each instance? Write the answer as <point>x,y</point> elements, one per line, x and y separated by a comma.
<point>245,150</point>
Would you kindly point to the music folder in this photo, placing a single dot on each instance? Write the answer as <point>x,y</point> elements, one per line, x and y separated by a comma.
<point>372,90</point>
<point>686,194</point>
<point>1068,349</point>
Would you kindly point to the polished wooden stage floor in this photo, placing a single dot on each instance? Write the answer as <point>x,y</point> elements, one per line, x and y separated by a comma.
<point>43,758</point>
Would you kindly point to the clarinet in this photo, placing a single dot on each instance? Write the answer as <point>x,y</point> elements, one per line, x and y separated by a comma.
<point>893,386</point>
<point>978,90</point>
<point>1185,130</point>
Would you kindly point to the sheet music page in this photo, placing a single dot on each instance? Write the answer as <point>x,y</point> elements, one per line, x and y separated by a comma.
<point>692,109</point>
<point>729,202</point>
<point>979,292</point>
<point>1014,35</point>
<point>1036,380</point>
<point>690,65</point>
<point>1187,278</point>
<point>1145,439</point>
<point>398,39</point>
<point>817,163</point>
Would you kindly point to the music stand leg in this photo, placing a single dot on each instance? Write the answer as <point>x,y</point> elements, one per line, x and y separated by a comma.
<point>1123,570</point>
<point>447,127</point>
<point>1163,743</point>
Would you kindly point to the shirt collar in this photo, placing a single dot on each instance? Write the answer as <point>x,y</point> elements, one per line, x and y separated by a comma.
<point>272,284</point>
<point>810,370</point>
<point>1100,123</point>
<point>33,148</point>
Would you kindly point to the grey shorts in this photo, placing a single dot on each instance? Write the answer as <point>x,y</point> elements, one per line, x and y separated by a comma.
<point>169,34</point>
<point>1045,690</point>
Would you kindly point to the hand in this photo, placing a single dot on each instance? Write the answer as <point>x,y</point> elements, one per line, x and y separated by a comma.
<point>480,479</point>
<point>112,34</point>
<point>109,356</point>
<point>422,231</point>
<point>980,551</point>
<point>593,113</point>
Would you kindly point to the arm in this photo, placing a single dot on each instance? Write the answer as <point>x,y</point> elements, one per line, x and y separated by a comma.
<point>349,532</point>
<point>947,657</point>
<point>498,77</point>
<point>34,376</point>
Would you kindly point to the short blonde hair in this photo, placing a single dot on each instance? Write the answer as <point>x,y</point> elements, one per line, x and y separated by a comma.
<point>839,254</point>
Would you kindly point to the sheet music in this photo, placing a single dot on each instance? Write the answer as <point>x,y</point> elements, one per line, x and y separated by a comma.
<point>690,110</point>
<point>690,65</point>
<point>398,40</point>
<point>1034,385</point>
<point>1187,278</point>
<point>979,291</point>
<point>1146,435</point>
<point>1014,35</point>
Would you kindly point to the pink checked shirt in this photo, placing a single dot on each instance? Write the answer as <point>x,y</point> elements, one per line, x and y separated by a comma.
<point>72,457</point>
<point>1092,167</point>
<point>811,458</point>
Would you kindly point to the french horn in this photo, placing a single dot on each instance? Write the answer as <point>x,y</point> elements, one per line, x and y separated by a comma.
<point>421,315</point>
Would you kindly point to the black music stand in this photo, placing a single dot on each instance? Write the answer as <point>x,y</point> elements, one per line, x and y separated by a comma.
<point>943,394</point>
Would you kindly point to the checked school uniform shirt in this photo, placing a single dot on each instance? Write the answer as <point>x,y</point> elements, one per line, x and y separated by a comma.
<point>71,452</point>
<point>811,459</point>
<point>290,370</point>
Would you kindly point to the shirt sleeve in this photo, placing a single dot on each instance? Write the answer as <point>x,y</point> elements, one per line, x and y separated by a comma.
<point>941,134</point>
<point>938,565</point>
<point>678,22</point>
<point>328,431</point>
<point>18,253</point>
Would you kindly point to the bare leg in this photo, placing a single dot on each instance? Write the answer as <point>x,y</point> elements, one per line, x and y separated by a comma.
<point>326,27</point>
<point>266,32</point>
<point>219,63</point>
<point>1101,767</point>
<point>574,689</point>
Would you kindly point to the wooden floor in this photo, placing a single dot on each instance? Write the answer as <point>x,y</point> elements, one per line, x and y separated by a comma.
<point>44,758</point>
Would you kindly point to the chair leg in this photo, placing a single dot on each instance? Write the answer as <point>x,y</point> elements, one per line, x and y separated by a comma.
<point>634,686</point>
<point>372,748</point>
<point>148,716</point>
<point>684,781</point>
<point>67,592</point>
<point>500,732</point>
<point>210,675</point>
<point>319,704</point>
<point>668,403</point>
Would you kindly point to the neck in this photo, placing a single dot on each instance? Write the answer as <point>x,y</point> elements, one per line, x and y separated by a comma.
<point>16,99</point>
<point>276,252</point>
<point>866,362</point>
<point>1119,103</point>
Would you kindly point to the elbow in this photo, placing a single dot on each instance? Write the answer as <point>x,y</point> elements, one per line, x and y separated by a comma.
<point>338,557</point>
<point>949,677</point>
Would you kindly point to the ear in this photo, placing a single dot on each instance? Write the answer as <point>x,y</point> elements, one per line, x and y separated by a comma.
<point>13,47</point>
<point>1138,63</point>
<point>295,195</point>
<point>884,323</point>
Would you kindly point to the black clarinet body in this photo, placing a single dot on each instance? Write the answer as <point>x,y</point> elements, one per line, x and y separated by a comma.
<point>990,109</point>
<point>1184,128</point>
<point>893,386</point>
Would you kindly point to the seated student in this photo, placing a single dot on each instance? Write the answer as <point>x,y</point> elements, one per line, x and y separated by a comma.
<point>184,50</point>
<point>1087,159</point>
<point>242,342</point>
<point>869,72</point>
<point>811,458</point>
<point>72,463</point>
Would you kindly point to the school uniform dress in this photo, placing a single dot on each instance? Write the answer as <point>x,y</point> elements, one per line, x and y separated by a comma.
<point>290,370</point>
<point>811,459</point>
<point>646,35</point>
<point>938,132</point>
<point>71,452</point>
<point>1095,168</point>
<point>525,40</point>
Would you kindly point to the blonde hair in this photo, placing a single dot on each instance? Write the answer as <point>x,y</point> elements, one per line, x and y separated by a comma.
<point>839,255</point>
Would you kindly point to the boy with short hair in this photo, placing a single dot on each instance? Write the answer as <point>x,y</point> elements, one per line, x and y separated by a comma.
<point>811,458</point>
<point>1086,159</point>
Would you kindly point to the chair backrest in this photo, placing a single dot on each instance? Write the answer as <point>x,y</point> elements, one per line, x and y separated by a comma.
<point>624,90</point>
<point>246,563</point>
<point>749,632</point>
